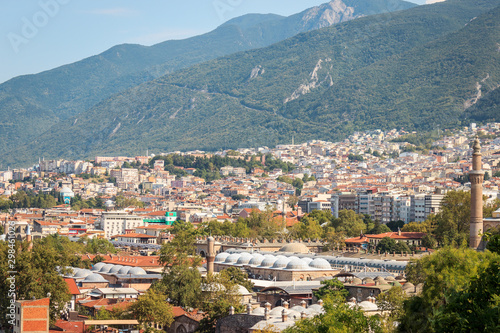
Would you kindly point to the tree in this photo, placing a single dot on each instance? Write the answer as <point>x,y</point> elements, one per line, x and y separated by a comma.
<point>429,241</point>
<point>389,245</point>
<point>237,276</point>
<point>445,272</point>
<point>37,275</point>
<point>350,223</point>
<point>474,309</point>
<point>454,218</point>
<point>331,288</point>
<point>99,245</point>
<point>416,227</point>
<point>338,318</point>
<point>379,228</point>
<point>391,303</point>
<point>219,294</point>
<point>395,225</point>
<point>152,309</point>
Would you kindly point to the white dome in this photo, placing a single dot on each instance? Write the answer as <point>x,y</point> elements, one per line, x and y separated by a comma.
<point>94,277</point>
<point>106,268</point>
<point>295,248</point>
<point>307,260</point>
<point>276,312</point>
<point>82,273</point>
<point>258,311</point>
<point>268,261</point>
<point>368,306</point>
<point>233,258</point>
<point>98,266</point>
<point>316,307</point>
<point>297,264</point>
<point>221,257</point>
<point>124,270</point>
<point>242,290</point>
<point>257,259</point>
<point>137,271</point>
<point>320,263</point>
<point>115,269</point>
<point>244,259</point>
<point>281,263</point>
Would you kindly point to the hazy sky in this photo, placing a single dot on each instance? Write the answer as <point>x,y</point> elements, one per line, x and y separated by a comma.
<point>38,35</point>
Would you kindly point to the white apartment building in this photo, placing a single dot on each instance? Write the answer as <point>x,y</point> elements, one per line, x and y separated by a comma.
<point>118,223</point>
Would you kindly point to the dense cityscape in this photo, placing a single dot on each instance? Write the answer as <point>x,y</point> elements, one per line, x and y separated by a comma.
<point>233,166</point>
<point>267,231</point>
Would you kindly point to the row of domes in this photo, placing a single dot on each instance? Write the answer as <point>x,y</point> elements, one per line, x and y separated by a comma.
<point>272,261</point>
<point>117,269</point>
<point>86,275</point>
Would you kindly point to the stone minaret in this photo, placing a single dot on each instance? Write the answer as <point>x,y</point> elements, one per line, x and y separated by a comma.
<point>210,255</point>
<point>476,176</point>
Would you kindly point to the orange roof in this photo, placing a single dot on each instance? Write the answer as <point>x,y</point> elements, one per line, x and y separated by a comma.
<point>135,235</point>
<point>69,326</point>
<point>396,235</point>
<point>358,240</point>
<point>72,287</point>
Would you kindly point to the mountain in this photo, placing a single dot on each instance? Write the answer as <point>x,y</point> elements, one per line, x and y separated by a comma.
<point>413,68</point>
<point>34,103</point>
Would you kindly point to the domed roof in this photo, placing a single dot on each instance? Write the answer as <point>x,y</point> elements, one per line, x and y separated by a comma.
<point>297,264</point>
<point>293,257</point>
<point>82,273</point>
<point>257,259</point>
<point>380,279</point>
<point>244,259</point>
<point>65,189</point>
<point>316,307</point>
<point>368,306</point>
<point>232,258</point>
<point>357,281</point>
<point>390,278</point>
<point>298,308</point>
<point>124,270</point>
<point>242,290</point>
<point>221,257</point>
<point>281,263</point>
<point>98,266</point>
<point>368,280</point>
<point>72,270</point>
<point>268,261</point>
<point>276,311</point>
<point>320,263</point>
<point>106,268</point>
<point>307,260</point>
<point>137,271</point>
<point>94,277</point>
<point>258,311</point>
<point>115,269</point>
<point>295,248</point>
<point>408,286</point>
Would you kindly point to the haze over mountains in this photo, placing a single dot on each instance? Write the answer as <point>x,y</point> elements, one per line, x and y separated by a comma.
<point>412,68</point>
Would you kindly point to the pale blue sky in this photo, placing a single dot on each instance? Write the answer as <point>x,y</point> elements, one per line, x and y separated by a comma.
<point>38,35</point>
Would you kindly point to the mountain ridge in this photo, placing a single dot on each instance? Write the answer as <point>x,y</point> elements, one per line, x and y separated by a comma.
<point>232,102</point>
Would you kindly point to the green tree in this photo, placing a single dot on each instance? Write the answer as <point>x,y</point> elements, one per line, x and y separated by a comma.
<point>37,275</point>
<point>350,223</point>
<point>331,288</point>
<point>338,318</point>
<point>237,276</point>
<point>474,309</point>
<point>391,304</point>
<point>445,272</point>
<point>152,309</point>
<point>417,227</point>
<point>99,245</point>
<point>219,294</point>
<point>389,245</point>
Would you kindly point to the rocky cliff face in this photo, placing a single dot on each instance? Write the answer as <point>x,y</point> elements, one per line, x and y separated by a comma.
<point>328,14</point>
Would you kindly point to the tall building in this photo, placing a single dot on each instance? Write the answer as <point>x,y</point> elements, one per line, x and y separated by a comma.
<point>32,316</point>
<point>118,223</point>
<point>476,177</point>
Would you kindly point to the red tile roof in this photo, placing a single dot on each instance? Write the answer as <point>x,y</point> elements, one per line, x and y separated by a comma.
<point>72,287</point>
